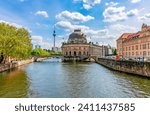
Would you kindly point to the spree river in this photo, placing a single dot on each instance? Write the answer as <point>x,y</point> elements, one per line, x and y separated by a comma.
<point>55,79</point>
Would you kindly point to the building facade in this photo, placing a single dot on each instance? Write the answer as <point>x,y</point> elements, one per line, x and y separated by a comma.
<point>78,49</point>
<point>135,45</point>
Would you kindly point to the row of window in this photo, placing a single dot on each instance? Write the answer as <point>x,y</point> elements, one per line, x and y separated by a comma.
<point>76,53</point>
<point>76,48</point>
<point>144,53</point>
<point>137,47</point>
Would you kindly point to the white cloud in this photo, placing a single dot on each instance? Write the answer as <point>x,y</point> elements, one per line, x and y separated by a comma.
<point>119,29</point>
<point>42,13</point>
<point>94,33</point>
<point>135,1</point>
<point>132,12</point>
<point>16,25</point>
<point>145,17</point>
<point>108,4</point>
<point>69,26</point>
<point>73,16</point>
<point>108,35</point>
<point>118,13</point>
<point>38,40</point>
<point>88,4</point>
<point>112,14</point>
<point>11,23</point>
<point>93,2</point>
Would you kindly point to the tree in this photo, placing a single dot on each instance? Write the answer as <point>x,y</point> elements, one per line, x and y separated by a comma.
<point>40,52</point>
<point>114,52</point>
<point>1,57</point>
<point>14,42</point>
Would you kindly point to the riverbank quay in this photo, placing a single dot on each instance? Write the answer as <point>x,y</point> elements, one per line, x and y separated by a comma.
<point>127,66</point>
<point>14,64</point>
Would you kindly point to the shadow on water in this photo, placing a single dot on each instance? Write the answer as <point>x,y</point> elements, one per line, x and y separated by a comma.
<point>14,84</point>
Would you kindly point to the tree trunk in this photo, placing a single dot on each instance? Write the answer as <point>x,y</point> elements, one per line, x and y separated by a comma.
<point>1,58</point>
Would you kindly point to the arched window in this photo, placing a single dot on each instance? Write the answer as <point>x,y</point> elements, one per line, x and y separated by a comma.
<point>79,53</point>
<point>66,53</point>
<point>75,53</point>
<point>70,53</point>
<point>84,53</point>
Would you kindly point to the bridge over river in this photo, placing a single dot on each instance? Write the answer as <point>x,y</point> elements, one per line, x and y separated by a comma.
<point>53,78</point>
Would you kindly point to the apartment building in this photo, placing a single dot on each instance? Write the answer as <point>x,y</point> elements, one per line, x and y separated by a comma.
<point>135,45</point>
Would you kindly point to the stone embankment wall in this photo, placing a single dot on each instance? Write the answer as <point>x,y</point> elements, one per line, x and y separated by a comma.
<point>132,67</point>
<point>4,67</point>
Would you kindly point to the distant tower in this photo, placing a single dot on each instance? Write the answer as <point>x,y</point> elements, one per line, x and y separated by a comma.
<point>54,35</point>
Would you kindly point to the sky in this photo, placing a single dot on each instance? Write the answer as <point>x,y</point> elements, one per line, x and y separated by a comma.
<point>103,21</point>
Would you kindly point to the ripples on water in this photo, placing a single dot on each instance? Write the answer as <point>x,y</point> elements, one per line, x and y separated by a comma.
<point>55,79</point>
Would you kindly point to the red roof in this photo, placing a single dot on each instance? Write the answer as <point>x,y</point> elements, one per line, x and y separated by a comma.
<point>132,35</point>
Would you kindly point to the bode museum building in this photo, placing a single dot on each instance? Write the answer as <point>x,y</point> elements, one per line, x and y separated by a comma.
<point>77,48</point>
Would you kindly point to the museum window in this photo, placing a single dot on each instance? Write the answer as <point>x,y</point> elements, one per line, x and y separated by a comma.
<point>66,53</point>
<point>84,53</point>
<point>75,54</point>
<point>69,53</point>
<point>79,53</point>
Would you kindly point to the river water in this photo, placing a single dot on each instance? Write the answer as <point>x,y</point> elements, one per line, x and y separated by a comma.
<point>55,79</point>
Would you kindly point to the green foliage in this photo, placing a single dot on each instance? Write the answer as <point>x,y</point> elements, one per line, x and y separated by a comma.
<point>14,42</point>
<point>114,52</point>
<point>56,53</point>
<point>40,52</point>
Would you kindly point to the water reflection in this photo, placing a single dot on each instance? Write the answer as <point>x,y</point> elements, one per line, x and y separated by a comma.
<point>14,83</point>
<point>55,79</point>
<point>135,85</point>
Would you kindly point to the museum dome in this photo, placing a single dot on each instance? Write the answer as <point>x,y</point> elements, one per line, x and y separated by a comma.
<point>77,37</point>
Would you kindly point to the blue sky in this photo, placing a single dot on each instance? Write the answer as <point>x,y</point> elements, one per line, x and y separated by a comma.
<point>103,21</point>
